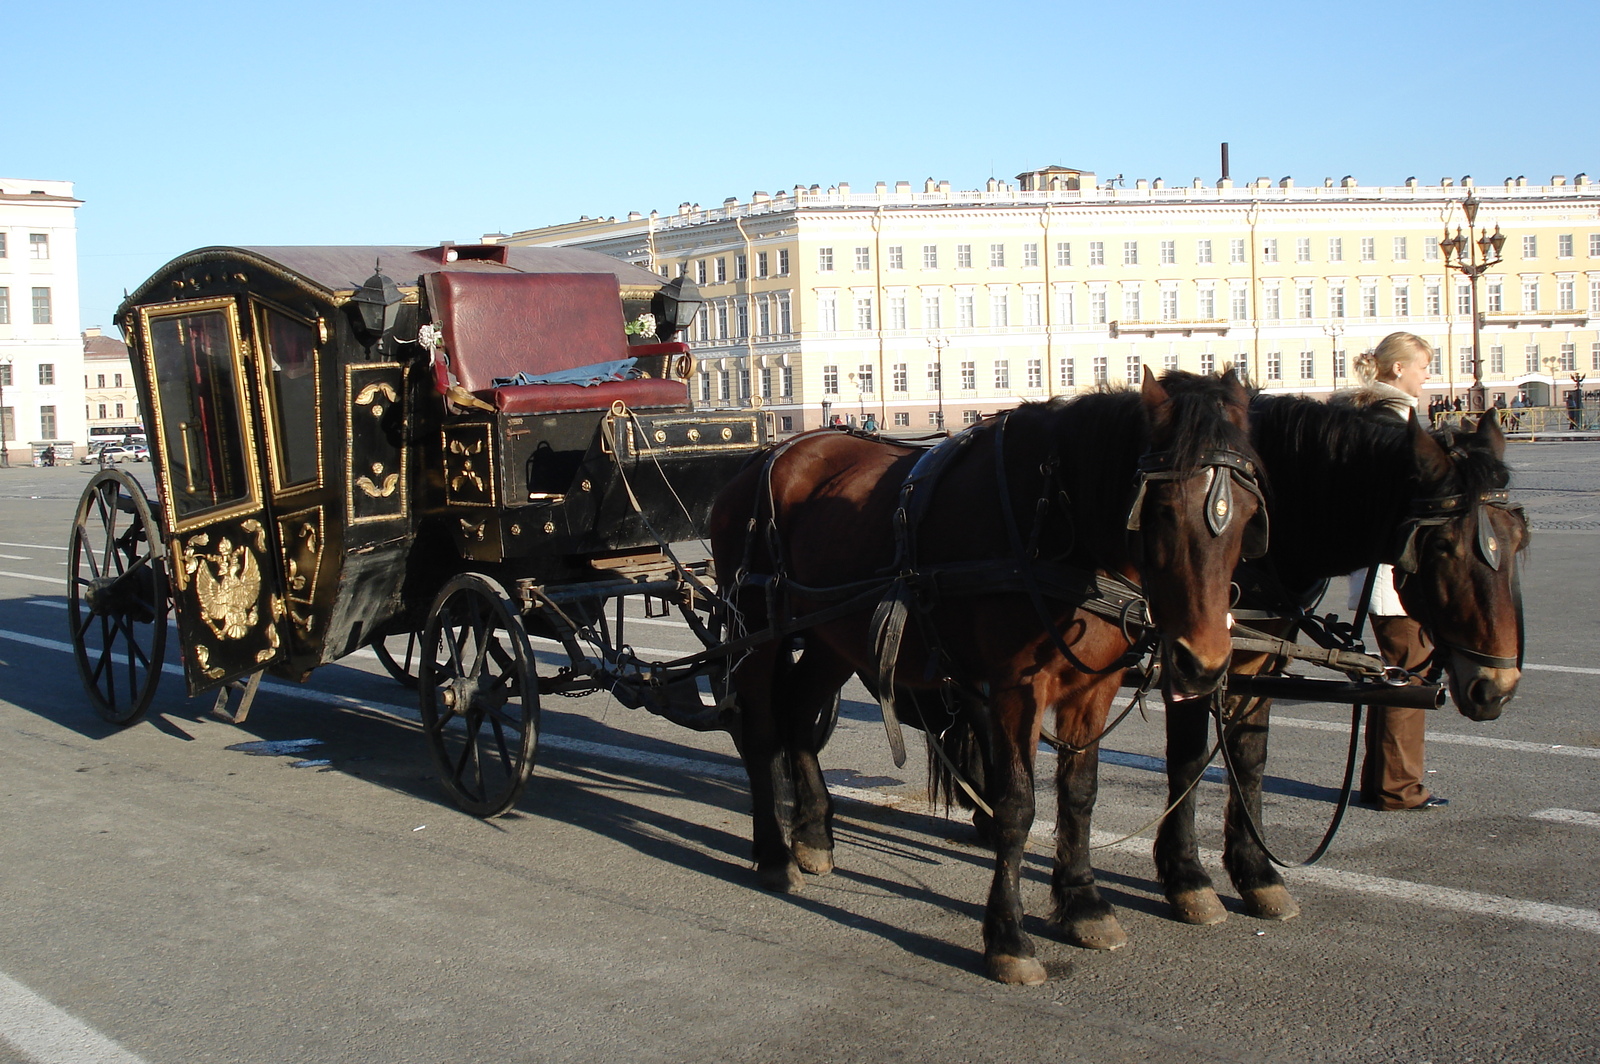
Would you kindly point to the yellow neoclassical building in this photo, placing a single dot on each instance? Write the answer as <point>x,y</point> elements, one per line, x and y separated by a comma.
<point>916,306</point>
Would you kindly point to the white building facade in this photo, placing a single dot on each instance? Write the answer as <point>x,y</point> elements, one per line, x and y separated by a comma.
<point>41,352</point>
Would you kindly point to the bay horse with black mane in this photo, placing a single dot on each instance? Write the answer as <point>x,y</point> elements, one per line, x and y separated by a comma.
<point>1348,487</point>
<point>1014,565</point>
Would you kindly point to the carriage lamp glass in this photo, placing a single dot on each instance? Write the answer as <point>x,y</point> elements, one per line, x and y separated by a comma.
<point>675,305</point>
<point>376,304</point>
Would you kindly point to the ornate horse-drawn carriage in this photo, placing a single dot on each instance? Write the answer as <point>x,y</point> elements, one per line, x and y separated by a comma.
<point>494,446</point>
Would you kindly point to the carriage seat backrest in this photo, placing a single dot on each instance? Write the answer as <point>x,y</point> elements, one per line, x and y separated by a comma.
<point>499,325</point>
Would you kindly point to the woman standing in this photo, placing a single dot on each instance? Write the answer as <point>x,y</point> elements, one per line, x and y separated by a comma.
<point>1392,377</point>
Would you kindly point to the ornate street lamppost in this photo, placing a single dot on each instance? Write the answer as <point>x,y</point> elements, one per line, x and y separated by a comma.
<point>1334,331</point>
<point>939,341</point>
<point>1473,258</point>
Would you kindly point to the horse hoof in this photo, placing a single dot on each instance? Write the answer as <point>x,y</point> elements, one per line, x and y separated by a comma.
<point>1100,932</point>
<point>1201,907</point>
<point>816,862</point>
<point>1015,971</point>
<point>1271,903</point>
<point>782,879</point>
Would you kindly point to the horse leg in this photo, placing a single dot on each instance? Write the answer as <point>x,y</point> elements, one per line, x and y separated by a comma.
<point>809,689</point>
<point>1260,886</point>
<point>1189,890</point>
<point>1086,918</point>
<point>765,761</point>
<point>1008,952</point>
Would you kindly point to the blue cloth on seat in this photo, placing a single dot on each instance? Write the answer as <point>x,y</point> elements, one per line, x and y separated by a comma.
<point>621,369</point>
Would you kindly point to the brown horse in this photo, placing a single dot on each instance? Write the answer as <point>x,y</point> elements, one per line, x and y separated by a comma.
<point>1349,488</point>
<point>1029,507</point>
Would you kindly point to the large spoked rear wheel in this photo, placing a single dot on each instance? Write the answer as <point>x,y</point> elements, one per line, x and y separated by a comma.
<point>117,596</point>
<point>398,655</point>
<point>479,695</point>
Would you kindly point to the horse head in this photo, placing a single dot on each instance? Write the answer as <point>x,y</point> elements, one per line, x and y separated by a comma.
<point>1198,510</point>
<point>1456,567</point>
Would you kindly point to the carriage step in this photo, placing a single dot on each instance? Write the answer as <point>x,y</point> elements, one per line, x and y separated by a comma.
<point>247,689</point>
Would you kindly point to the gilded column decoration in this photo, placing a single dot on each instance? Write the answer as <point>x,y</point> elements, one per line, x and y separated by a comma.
<point>301,537</point>
<point>375,461</point>
<point>469,465</point>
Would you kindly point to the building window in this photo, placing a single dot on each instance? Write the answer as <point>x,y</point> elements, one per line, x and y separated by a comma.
<point>1206,300</point>
<point>722,270</point>
<point>1594,355</point>
<point>1101,369</point>
<point>1236,250</point>
<point>1594,298</point>
<point>39,248</point>
<point>1030,255</point>
<point>930,311</point>
<point>997,256</point>
<point>1238,304</point>
<point>1269,249</point>
<point>935,377</point>
<point>1399,249</point>
<point>1336,302</point>
<point>1130,304</point>
<point>1133,370</point>
<point>902,419</point>
<point>1002,375</point>
<point>1566,294</point>
<point>2,247</point>
<point>1170,361</point>
<point>41,306</point>
<point>827,313</point>
<point>1531,354</point>
<point>1569,357</point>
<point>47,422</point>
<point>824,260</point>
<point>1302,249</point>
<point>1402,301</point>
<point>1338,363</point>
<point>1169,304</point>
<point>1463,300</point>
<point>1274,366</point>
<point>1064,253</point>
<point>786,380</point>
<point>1594,246</point>
<point>899,379</point>
<point>783,262</point>
<point>1530,295</point>
<point>1033,308</point>
<point>1369,249</point>
<point>722,321</point>
<point>1436,367</point>
<point>930,256</point>
<point>1465,362</point>
<point>1530,247</point>
<point>963,256</point>
<point>1169,252</point>
<point>700,272</point>
<point>1202,251</point>
<point>1098,313</point>
<point>1130,253</point>
<point>102,414</point>
<point>999,310</point>
<point>897,312</point>
<point>5,306</point>
<point>99,380</point>
<point>1564,246</point>
<point>864,258</point>
<point>1271,304</point>
<point>47,373</point>
<point>1302,301</point>
<point>1335,249</point>
<point>1497,360</point>
<point>1035,373</point>
<point>1069,373</point>
<point>830,380</point>
<point>1369,301</point>
<point>724,386</point>
<point>1064,307</point>
<point>969,376</point>
<point>1434,301</point>
<point>764,318</point>
<point>969,417</point>
<point>966,311</point>
<point>1497,298</point>
<point>864,313</point>
<point>1097,253</point>
<point>785,316</point>
<point>766,381</point>
<point>864,380</point>
<point>761,264</point>
<point>742,317</point>
<point>897,257</point>
<point>1308,365</point>
<point>744,382</point>
<point>1430,248</point>
<point>741,268</point>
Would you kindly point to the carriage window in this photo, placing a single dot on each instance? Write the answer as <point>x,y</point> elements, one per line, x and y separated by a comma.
<point>292,383</point>
<point>201,424</point>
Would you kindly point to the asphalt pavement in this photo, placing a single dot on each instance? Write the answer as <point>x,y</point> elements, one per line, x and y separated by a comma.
<point>170,897</point>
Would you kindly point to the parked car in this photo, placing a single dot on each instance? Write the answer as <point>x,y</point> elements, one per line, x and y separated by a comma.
<point>116,452</point>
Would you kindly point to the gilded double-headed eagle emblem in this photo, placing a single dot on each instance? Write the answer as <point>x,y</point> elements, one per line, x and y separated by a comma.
<point>227,584</point>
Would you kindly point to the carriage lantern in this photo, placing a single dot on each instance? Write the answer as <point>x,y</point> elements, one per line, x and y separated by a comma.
<point>376,305</point>
<point>675,307</point>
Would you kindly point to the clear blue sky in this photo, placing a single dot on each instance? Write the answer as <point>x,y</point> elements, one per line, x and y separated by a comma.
<point>188,124</point>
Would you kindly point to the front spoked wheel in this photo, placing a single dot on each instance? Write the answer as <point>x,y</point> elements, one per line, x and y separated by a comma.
<point>117,596</point>
<point>479,695</point>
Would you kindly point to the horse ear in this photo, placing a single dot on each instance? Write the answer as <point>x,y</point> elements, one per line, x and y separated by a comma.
<point>1489,432</point>
<point>1236,388</point>
<point>1432,461</point>
<point>1152,391</point>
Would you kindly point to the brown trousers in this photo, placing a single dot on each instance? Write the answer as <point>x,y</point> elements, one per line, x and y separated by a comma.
<point>1391,775</point>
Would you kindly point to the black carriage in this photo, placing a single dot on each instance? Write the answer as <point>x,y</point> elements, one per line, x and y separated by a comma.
<point>475,444</point>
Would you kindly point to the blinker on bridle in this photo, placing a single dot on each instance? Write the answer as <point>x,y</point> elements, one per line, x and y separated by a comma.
<point>1219,506</point>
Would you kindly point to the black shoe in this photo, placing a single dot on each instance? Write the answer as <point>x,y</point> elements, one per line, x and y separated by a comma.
<point>1433,801</point>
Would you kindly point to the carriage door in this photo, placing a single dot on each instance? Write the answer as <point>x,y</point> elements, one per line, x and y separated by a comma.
<point>224,576</point>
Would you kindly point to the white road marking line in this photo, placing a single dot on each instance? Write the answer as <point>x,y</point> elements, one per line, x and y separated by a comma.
<point>1562,668</point>
<point>47,1035</point>
<point>17,557</point>
<point>34,546</point>
<point>1568,816</point>
<point>56,580</point>
<point>1426,895</point>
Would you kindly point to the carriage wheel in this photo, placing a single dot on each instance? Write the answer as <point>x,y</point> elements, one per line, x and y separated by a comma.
<point>399,654</point>
<point>117,596</point>
<point>479,695</point>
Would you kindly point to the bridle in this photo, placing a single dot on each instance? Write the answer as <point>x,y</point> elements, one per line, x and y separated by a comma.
<point>1234,468</point>
<point>1432,513</point>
